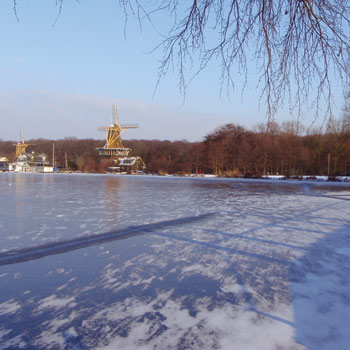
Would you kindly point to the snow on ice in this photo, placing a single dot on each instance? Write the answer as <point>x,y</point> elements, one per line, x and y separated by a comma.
<point>184,264</point>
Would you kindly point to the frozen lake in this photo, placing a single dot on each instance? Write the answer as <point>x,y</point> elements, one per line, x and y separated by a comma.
<point>142,262</point>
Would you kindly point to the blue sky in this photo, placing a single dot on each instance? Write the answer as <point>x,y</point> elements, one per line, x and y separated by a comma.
<point>58,81</point>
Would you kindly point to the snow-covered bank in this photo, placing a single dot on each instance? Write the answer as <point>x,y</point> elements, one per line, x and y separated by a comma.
<point>310,178</point>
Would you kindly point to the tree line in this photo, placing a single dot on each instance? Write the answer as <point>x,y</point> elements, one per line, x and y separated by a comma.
<point>230,150</point>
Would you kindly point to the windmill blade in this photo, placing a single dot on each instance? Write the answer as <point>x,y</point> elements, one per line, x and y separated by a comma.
<point>115,114</point>
<point>129,126</point>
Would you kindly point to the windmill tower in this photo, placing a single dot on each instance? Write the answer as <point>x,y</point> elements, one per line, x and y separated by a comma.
<point>21,146</point>
<point>114,147</point>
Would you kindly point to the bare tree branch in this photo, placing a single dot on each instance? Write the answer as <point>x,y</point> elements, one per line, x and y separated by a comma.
<point>300,47</point>
<point>15,9</point>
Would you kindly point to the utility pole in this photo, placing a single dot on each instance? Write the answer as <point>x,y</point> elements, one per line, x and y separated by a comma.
<point>53,154</point>
<point>66,161</point>
<point>329,161</point>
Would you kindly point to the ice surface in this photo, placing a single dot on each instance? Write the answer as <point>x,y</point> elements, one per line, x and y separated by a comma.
<point>176,263</point>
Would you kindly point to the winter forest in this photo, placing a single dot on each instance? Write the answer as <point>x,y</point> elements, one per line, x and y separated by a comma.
<point>230,150</point>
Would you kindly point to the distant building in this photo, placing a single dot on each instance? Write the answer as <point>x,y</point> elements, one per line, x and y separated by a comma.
<point>4,164</point>
<point>29,162</point>
<point>129,165</point>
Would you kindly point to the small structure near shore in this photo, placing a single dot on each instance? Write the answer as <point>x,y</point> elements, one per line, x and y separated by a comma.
<point>4,164</point>
<point>128,165</point>
<point>26,162</point>
<point>30,162</point>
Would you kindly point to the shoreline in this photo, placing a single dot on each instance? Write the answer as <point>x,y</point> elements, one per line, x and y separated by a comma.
<point>301,178</point>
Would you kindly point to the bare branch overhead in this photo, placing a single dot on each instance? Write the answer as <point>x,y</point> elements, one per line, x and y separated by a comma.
<point>300,47</point>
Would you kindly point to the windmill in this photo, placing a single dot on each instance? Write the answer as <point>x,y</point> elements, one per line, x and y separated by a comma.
<point>114,147</point>
<point>21,146</point>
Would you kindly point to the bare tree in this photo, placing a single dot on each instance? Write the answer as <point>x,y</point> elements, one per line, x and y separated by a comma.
<point>345,122</point>
<point>300,46</point>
